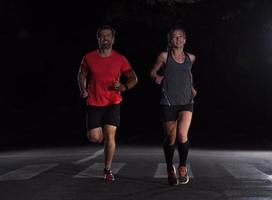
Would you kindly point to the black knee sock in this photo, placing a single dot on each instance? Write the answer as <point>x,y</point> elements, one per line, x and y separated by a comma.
<point>168,153</point>
<point>183,149</point>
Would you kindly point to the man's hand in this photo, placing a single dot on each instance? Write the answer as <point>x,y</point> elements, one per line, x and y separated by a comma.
<point>84,94</point>
<point>120,87</point>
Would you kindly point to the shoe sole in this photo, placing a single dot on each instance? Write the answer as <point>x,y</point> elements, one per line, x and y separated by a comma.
<point>183,183</point>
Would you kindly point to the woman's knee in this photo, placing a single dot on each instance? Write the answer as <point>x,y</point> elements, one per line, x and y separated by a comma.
<point>170,139</point>
<point>183,137</point>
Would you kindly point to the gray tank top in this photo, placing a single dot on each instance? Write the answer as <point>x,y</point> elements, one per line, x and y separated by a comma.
<point>177,82</point>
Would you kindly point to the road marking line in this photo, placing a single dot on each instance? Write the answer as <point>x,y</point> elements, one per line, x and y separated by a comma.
<point>96,170</point>
<point>26,172</point>
<point>95,155</point>
<point>246,171</point>
<point>250,198</point>
<point>161,171</point>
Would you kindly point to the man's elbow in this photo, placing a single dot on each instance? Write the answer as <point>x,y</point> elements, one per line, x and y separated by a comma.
<point>135,79</point>
<point>152,74</point>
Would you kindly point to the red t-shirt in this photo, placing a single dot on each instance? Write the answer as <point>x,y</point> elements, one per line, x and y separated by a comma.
<point>103,72</point>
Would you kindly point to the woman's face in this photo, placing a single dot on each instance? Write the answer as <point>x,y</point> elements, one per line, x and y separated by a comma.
<point>177,38</point>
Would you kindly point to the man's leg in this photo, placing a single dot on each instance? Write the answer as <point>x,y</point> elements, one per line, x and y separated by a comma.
<point>109,149</point>
<point>93,122</point>
<point>95,135</point>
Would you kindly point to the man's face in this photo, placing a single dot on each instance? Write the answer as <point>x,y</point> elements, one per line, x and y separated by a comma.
<point>178,38</point>
<point>105,40</point>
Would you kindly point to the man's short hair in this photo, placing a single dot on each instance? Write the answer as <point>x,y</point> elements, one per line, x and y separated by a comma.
<point>105,27</point>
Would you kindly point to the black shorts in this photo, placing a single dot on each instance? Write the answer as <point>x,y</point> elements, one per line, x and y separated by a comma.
<point>99,116</point>
<point>170,113</point>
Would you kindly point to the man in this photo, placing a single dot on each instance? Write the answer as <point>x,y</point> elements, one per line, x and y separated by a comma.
<point>176,101</point>
<point>99,82</point>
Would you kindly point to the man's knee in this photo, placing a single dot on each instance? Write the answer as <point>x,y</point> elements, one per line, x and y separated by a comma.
<point>95,137</point>
<point>109,132</point>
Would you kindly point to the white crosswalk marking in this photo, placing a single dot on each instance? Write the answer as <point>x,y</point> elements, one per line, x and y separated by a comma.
<point>26,172</point>
<point>96,154</point>
<point>239,171</point>
<point>161,171</point>
<point>250,198</point>
<point>96,170</point>
<point>246,171</point>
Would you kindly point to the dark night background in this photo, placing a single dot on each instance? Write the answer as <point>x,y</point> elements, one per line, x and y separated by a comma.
<point>43,42</point>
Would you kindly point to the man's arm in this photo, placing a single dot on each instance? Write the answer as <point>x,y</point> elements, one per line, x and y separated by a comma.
<point>82,78</point>
<point>130,83</point>
<point>132,79</point>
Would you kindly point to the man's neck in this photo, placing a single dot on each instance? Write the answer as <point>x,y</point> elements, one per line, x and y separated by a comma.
<point>104,52</point>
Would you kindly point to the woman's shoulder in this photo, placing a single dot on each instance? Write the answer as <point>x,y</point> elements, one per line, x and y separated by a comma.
<point>191,56</point>
<point>163,55</point>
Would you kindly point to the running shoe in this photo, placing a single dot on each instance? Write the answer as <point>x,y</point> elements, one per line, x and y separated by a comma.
<point>172,176</point>
<point>108,176</point>
<point>183,175</point>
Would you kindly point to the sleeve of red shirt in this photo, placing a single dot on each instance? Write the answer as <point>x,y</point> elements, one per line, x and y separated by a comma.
<point>125,65</point>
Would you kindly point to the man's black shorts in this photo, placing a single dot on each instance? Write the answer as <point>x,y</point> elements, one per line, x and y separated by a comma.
<point>97,116</point>
<point>170,113</point>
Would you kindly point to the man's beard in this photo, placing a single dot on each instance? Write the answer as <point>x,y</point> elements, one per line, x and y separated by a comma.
<point>106,45</point>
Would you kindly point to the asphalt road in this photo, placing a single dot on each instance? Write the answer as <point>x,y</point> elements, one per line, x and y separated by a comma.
<point>75,173</point>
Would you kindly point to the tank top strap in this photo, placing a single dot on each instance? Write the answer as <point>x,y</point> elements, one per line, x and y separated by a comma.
<point>168,55</point>
<point>187,56</point>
